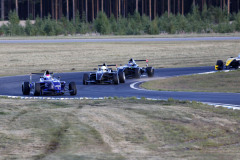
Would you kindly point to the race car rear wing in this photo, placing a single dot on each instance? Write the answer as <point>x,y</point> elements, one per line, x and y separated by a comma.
<point>107,65</point>
<point>111,65</point>
<point>41,73</point>
<point>143,61</point>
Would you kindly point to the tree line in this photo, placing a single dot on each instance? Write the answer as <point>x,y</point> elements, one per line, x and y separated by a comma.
<point>209,20</point>
<point>30,9</point>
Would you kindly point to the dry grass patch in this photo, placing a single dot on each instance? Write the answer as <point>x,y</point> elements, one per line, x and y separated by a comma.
<point>117,129</point>
<point>216,82</point>
<point>68,57</point>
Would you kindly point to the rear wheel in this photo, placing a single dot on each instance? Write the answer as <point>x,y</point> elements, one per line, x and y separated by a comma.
<point>37,89</point>
<point>72,88</point>
<point>85,79</point>
<point>150,71</point>
<point>219,65</point>
<point>235,64</point>
<point>25,88</point>
<point>122,77</point>
<point>137,73</point>
<point>115,79</point>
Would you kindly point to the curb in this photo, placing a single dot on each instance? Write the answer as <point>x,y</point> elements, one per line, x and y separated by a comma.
<point>229,106</point>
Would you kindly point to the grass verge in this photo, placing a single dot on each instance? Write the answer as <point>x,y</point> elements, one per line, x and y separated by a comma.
<point>215,82</point>
<point>117,129</point>
<point>17,59</point>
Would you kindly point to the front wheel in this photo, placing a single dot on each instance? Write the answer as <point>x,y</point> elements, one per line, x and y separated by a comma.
<point>137,73</point>
<point>219,65</point>
<point>122,77</point>
<point>25,88</point>
<point>150,71</point>
<point>72,88</point>
<point>85,79</point>
<point>115,79</point>
<point>37,89</point>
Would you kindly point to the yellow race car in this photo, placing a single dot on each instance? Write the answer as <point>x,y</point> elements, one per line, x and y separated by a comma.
<point>232,62</point>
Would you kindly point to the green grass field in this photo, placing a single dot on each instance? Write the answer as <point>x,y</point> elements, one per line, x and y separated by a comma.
<point>117,129</point>
<point>215,82</point>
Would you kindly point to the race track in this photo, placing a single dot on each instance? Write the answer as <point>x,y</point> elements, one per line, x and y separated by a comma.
<point>11,86</point>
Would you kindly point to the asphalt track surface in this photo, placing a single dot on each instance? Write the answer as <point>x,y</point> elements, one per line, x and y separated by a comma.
<point>101,40</point>
<point>11,86</point>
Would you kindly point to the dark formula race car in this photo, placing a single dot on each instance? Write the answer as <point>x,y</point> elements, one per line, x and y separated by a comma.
<point>232,62</point>
<point>48,85</point>
<point>132,70</point>
<point>103,75</point>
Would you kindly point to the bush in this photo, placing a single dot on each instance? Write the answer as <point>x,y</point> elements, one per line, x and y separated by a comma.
<point>153,28</point>
<point>225,28</point>
<point>181,23</point>
<point>168,23</point>
<point>113,23</point>
<point>29,29</point>
<point>13,18</point>
<point>121,26</point>
<point>13,27</point>
<point>146,23</point>
<point>237,24</point>
<point>39,26</point>
<point>4,30</point>
<point>102,24</point>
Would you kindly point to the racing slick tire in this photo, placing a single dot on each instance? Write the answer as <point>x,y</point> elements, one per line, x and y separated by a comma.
<point>235,64</point>
<point>122,77</point>
<point>72,88</point>
<point>137,73</point>
<point>25,88</point>
<point>85,79</point>
<point>115,79</point>
<point>37,89</point>
<point>219,64</point>
<point>150,71</point>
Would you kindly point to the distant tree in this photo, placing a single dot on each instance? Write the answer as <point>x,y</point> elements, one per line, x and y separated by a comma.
<point>16,4</point>
<point>102,24</point>
<point>2,10</point>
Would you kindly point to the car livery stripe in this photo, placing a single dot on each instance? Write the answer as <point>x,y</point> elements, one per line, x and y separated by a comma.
<point>229,61</point>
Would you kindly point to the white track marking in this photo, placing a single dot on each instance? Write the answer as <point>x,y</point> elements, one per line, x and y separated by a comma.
<point>132,85</point>
<point>141,89</point>
<point>229,106</point>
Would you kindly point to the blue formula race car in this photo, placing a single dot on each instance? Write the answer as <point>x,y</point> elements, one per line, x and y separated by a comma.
<point>48,85</point>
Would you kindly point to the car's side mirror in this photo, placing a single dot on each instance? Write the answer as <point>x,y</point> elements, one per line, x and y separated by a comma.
<point>59,77</point>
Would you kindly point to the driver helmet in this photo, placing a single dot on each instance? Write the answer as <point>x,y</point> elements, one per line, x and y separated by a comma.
<point>47,75</point>
<point>239,56</point>
<point>131,62</point>
<point>104,68</point>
